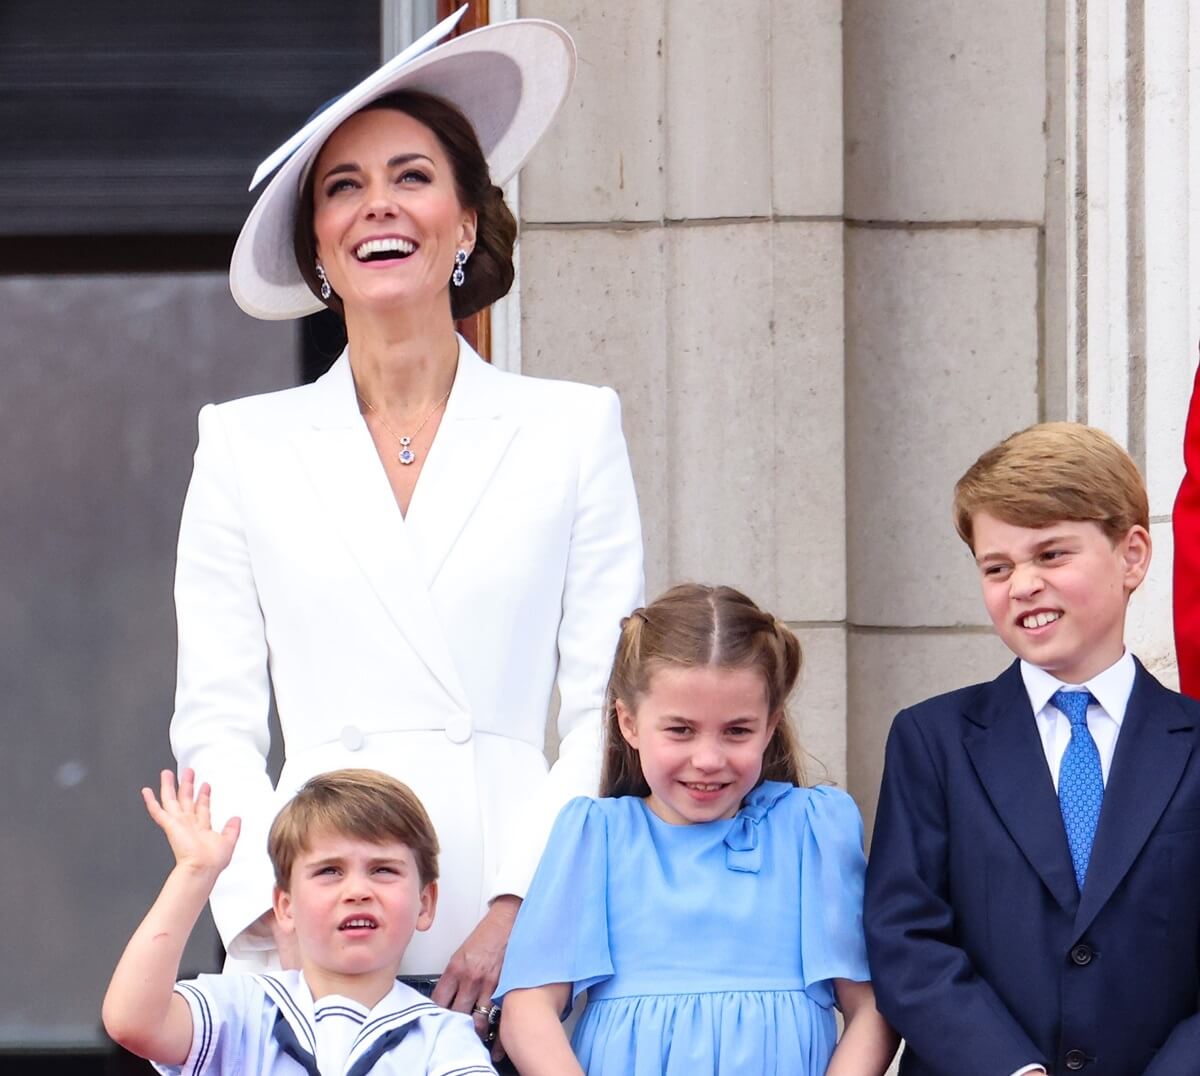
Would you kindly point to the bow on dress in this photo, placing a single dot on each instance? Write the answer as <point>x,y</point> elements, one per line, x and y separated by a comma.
<point>743,851</point>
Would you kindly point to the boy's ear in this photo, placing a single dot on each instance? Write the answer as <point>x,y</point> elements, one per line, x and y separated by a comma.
<point>627,723</point>
<point>282,902</point>
<point>1135,550</point>
<point>429,895</point>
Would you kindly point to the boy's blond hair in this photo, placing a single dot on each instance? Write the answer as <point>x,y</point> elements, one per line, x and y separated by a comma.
<point>365,804</point>
<point>1051,473</point>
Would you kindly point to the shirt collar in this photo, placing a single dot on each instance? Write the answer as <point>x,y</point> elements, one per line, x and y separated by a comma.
<point>1111,688</point>
<point>399,1007</point>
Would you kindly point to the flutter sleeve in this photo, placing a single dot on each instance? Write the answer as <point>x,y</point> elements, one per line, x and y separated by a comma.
<point>561,932</point>
<point>832,869</point>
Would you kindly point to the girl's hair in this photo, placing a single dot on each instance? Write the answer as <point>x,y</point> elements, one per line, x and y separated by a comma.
<point>693,626</point>
<point>490,271</point>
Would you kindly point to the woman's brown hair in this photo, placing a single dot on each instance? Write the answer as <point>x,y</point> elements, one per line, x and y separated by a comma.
<point>489,272</point>
<point>693,626</point>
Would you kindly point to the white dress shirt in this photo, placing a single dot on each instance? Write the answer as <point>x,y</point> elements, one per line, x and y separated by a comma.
<point>1111,690</point>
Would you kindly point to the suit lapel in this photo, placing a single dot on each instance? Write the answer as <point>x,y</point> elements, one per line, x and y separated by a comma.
<point>1146,768</point>
<point>473,436</point>
<point>1003,745</point>
<point>341,461</point>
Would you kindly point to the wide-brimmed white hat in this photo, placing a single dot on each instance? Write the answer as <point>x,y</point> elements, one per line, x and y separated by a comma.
<point>509,79</point>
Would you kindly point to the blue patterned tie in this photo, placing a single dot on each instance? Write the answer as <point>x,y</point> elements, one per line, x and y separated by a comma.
<point>1080,780</point>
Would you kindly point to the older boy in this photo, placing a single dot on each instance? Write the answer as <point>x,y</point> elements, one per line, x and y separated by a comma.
<point>355,860</point>
<point>1033,893</point>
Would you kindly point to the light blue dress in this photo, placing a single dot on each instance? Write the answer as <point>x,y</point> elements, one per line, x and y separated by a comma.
<point>704,948</point>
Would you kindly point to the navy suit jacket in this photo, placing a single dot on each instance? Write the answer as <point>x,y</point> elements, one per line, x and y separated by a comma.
<point>984,955</point>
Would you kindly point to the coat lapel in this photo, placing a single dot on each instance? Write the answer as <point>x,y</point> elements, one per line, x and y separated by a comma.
<point>1146,769</point>
<point>1002,744</point>
<point>473,436</point>
<point>341,461</point>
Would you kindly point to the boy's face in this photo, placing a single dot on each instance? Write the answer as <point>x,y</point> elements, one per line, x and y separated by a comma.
<point>1057,594</point>
<point>354,906</point>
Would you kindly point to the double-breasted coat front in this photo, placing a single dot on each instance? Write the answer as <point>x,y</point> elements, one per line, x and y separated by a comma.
<point>425,645</point>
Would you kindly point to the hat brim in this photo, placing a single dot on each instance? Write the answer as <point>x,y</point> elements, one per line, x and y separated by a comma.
<point>509,79</point>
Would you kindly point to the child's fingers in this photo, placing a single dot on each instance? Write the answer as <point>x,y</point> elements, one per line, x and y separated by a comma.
<point>152,807</point>
<point>232,829</point>
<point>204,806</point>
<point>187,782</point>
<point>166,790</point>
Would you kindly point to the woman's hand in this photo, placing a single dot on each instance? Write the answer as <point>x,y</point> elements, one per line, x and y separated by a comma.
<point>184,816</point>
<point>470,978</point>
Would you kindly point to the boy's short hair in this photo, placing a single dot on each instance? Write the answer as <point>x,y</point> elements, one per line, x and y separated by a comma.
<point>365,804</point>
<point>1051,473</point>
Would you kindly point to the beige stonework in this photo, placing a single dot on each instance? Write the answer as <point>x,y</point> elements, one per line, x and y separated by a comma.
<point>603,158</point>
<point>824,250</point>
<point>941,362</point>
<point>944,110</point>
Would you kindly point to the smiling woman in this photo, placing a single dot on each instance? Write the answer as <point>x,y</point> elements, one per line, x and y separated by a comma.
<point>339,541</point>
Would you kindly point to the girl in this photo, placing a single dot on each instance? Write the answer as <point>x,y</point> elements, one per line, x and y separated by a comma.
<point>711,907</point>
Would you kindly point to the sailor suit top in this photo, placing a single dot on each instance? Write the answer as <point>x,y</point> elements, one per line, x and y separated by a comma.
<point>270,1024</point>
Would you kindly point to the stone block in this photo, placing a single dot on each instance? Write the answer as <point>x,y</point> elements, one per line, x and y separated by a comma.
<point>887,671</point>
<point>593,310</point>
<point>755,412</point>
<point>808,485</point>
<point>942,361</point>
<point>603,158</point>
<point>945,110</point>
<point>818,706</point>
<point>717,109</point>
<point>806,107</point>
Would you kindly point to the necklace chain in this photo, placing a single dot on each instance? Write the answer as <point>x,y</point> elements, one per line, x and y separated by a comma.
<point>405,455</point>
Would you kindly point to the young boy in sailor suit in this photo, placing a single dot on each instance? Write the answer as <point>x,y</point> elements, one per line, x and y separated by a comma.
<point>1031,899</point>
<point>355,860</point>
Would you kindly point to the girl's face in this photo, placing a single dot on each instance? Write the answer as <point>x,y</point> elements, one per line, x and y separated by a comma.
<point>700,734</point>
<point>386,216</point>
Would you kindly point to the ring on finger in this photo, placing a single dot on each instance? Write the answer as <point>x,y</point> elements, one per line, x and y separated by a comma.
<point>482,1010</point>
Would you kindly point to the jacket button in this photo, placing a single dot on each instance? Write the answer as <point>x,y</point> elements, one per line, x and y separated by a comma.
<point>1082,954</point>
<point>1076,1059</point>
<point>352,738</point>
<point>458,728</point>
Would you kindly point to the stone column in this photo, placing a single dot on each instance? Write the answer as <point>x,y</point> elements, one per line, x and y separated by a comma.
<point>1133,255</point>
<point>682,241</point>
<point>946,155</point>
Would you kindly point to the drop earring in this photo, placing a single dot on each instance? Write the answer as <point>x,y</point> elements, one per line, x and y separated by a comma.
<point>460,259</point>
<point>326,290</point>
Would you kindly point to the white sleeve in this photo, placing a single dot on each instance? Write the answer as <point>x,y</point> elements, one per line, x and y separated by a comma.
<point>219,1005</point>
<point>604,583</point>
<point>222,692</point>
<point>455,1049</point>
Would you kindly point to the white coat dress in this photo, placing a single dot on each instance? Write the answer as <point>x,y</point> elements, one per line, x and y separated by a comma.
<point>425,645</point>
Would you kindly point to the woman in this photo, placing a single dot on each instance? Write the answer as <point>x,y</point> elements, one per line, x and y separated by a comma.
<point>413,550</point>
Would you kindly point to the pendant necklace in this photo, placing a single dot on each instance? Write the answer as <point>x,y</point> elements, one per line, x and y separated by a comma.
<point>406,455</point>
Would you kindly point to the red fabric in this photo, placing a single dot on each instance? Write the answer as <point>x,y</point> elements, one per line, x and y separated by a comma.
<point>1187,555</point>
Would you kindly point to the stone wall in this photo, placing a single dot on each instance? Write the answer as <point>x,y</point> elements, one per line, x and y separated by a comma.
<point>828,251</point>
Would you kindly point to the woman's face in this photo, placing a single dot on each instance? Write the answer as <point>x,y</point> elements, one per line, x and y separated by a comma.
<point>386,216</point>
